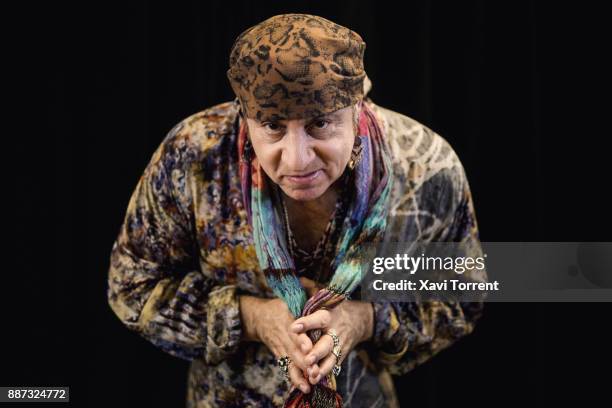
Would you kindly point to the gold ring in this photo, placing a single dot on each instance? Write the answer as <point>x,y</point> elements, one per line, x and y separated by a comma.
<point>337,352</point>
<point>334,337</point>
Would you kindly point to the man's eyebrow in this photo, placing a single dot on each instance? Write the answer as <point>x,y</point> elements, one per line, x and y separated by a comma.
<point>278,122</point>
<point>331,115</point>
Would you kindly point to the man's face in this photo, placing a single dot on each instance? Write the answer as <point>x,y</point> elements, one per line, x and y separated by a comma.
<point>304,158</point>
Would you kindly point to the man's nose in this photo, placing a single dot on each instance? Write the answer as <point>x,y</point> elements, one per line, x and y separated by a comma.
<point>298,151</point>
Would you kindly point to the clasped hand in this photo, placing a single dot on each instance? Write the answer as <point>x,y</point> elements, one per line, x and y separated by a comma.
<point>286,336</point>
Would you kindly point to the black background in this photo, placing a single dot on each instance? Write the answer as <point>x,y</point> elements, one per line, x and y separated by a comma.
<point>519,89</point>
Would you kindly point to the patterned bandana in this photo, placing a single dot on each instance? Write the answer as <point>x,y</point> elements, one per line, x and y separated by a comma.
<point>365,222</point>
<point>296,66</point>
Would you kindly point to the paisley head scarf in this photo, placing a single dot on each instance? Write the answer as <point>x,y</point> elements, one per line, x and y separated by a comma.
<point>303,66</point>
<point>294,66</point>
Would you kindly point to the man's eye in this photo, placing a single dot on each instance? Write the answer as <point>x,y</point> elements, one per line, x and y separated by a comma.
<point>274,127</point>
<point>321,124</point>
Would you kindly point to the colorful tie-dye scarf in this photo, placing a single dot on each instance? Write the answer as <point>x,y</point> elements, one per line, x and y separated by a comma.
<point>365,222</point>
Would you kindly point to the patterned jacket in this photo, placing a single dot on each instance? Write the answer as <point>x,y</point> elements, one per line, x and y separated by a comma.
<point>185,253</point>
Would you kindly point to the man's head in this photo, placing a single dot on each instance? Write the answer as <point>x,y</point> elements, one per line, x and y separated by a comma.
<point>300,82</point>
<point>319,148</point>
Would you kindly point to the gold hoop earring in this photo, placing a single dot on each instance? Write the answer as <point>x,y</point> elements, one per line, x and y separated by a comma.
<point>356,154</point>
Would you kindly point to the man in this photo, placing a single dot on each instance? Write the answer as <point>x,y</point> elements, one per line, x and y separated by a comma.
<point>198,261</point>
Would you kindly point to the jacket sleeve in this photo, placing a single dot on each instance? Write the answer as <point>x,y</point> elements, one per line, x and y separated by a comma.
<point>155,284</point>
<point>406,334</point>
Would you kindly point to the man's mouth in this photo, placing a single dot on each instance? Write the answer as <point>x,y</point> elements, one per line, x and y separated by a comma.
<point>305,178</point>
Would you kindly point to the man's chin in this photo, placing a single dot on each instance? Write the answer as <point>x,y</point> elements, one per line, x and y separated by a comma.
<point>304,194</point>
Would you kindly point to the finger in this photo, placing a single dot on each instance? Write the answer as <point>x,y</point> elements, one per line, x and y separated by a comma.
<point>303,342</point>
<point>314,374</point>
<point>297,378</point>
<point>292,345</point>
<point>298,360</point>
<point>321,349</point>
<point>326,365</point>
<point>317,320</point>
